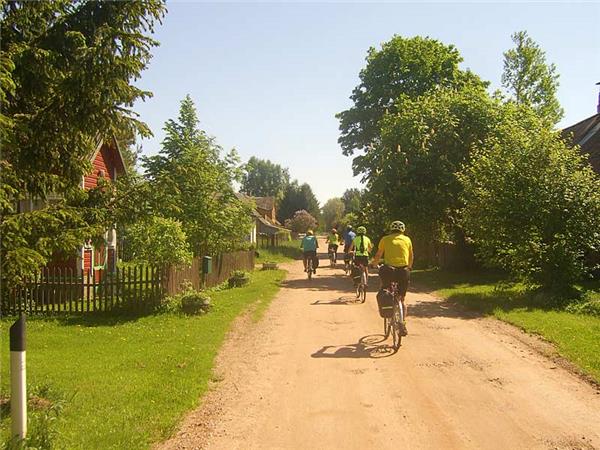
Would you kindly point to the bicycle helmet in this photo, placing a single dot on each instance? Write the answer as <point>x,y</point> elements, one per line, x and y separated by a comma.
<point>333,230</point>
<point>349,227</point>
<point>361,230</point>
<point>397,226</point>
<point>309,232</point>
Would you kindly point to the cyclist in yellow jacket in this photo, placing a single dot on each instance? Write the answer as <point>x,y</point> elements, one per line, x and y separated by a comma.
<point>397,251</point>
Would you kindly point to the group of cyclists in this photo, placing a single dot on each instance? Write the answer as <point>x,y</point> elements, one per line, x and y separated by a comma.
<point>394,252</point>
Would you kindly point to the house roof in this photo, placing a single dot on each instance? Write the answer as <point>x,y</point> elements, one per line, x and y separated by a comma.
<point>264,224</point>
<point>267,203</point>
<point>112,143</point>
<point>586,134</point>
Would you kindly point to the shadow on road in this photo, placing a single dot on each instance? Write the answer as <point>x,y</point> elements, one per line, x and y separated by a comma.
<point>344,300</point>
<point>370,346</point>
<point>438,308</point>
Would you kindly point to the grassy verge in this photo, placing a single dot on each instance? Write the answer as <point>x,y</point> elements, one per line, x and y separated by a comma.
<point>576,336</point>
<point>128,381</point>
<point>284,252</point>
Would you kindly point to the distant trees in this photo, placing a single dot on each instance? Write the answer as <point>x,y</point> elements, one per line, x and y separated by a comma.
<point>301,222</point>
<point>529,80</point>
<point>262,178</point>
<point>333,211</point>
<point>352,199</point>
<point>66,79</point>
<point>297,197</point>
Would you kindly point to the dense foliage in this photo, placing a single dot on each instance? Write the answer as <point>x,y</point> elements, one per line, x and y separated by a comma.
<point>412,174</point>
<point>301,222</point>
<point>403,66</point>
<point>68,67</point>
<point>158,241</point>
<point>192,182</point>
<point>532,204</point>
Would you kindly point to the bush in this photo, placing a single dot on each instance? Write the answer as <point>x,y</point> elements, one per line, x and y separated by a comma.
<point>239,278</point>
<point>532,203</point>
<point>189,301</point>
<point>587,306</point>
<point>195,302</point>
<point>158,241</point>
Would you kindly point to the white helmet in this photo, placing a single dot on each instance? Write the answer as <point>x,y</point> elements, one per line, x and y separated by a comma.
<point>397,226</point>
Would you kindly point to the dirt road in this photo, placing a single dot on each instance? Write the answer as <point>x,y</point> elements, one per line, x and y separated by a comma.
<point>314,374</point>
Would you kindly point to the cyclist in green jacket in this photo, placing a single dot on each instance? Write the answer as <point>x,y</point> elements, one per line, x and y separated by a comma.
<point>361,246</point>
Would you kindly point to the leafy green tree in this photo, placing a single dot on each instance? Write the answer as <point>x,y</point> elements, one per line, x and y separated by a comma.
<point>66,72</point>
<point>529,80</point>
<point>402,67</point>
<point>262,178</point>
<point>352,200</point>
<point>192,182</point>
<point>158,241</point>
<point>297,197</point>
<point>333,211</point>
<point>301,222</point>
<point>532,204</point>
<point>412,175</point>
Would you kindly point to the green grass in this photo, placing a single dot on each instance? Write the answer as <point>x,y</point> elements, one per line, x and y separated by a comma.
<point>284,252</point>
<point>129,381</point>
<point>575,336</point>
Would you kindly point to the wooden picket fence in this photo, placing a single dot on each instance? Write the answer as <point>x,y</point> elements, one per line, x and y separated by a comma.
<point>135,288</point>
<point>56,290</point>
<point>222,267</point>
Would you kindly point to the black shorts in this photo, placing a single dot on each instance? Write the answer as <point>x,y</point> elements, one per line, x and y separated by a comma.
<point>400,275</point>
<point>332,247</point>
<point>310,254</point>
<point>361,260</point>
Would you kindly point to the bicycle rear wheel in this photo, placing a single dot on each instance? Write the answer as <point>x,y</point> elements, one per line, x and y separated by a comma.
<point>363,280</point>
<point>309,270</point>
<point>396,321</point>
<point>386,327</point>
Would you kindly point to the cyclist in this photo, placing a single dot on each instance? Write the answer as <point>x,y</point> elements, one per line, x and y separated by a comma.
<point>309,246</point>
<point>333,240</point>
<point>397,250</point>
<point>348,239</point>
<point>361,246</point>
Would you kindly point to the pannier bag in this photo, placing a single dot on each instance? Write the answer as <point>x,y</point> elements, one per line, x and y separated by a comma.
<point>385,302</point>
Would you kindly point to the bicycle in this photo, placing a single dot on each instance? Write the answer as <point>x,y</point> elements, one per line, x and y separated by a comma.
<point>347,263</point>
<point>332,257</point>
<point>361,287</point>
<point>392,324</point>
<point>309,268</point>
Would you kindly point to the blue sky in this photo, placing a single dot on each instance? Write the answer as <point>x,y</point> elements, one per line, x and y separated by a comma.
<point>268,78</point>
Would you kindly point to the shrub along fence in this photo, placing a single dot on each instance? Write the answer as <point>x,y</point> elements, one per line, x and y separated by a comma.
<point>134,287</point>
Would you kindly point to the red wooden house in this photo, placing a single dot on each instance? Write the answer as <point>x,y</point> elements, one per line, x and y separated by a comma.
<point>107,162</point>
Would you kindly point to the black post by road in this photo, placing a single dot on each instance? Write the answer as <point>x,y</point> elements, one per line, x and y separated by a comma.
<point>18,387</point>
